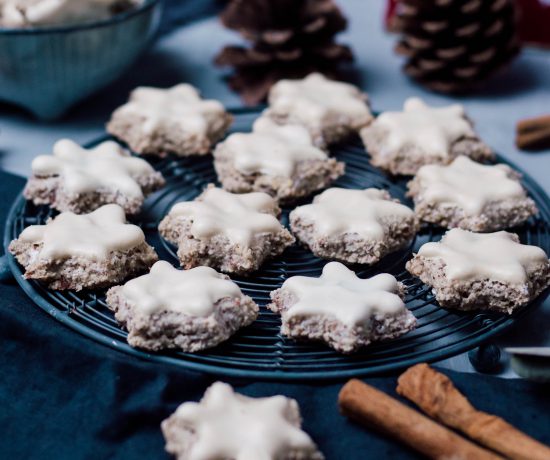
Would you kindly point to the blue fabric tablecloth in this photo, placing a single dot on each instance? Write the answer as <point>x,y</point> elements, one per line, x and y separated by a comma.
<point>63,396</point>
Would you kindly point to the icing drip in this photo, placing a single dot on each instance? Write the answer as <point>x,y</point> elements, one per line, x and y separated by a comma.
<point>192,292</point>
<point>468,184</point>
<point>431,129</point>
<point>180,105</point>
<point>93,235</point>
<point>105,166</point>
<point>272,149</point>
<point>21,13</point>
<point>232,426</point>
<point>337,211</point>
<point>469,255</point>
<point>315,97</point>
<point>239,217</point>
<point>339,293</point>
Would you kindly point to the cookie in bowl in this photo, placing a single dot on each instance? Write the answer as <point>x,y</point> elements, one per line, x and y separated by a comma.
<point>280,160</point>
<point>85,251</point>
<point>470,195</point>
<point>401,142</point>
<point>234,233</point>
<point>189,310</point>
<point>354,226</point>
<point>482,271</point>
<point>175,121</point>
<point>341,309</point>
<point>81,180</point>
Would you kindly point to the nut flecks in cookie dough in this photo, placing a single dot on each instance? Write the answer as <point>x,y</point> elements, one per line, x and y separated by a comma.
<point>92,235</point>
<point>498,256</point>
<point>468,184</point>
<point>314,98</point>
<point>241,217</point>
<point>192,292</point>
<point>434,129</point>
<point>24,13</point>
<point>339,293</point>
<point>225,424</point>
<point>180,105</point>
<point>337,211</point>
<point>107,165</point>
<point>272,149</point>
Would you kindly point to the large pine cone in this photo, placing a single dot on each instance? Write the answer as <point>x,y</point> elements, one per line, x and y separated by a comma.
<point>290,39</point>
<point>452,45</point>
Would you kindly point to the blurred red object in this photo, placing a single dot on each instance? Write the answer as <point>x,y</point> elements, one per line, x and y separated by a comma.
<point>534,24</point>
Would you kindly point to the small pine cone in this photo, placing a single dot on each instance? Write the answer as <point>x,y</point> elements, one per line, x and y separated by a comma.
<point>289,39</point>
<point>453,45</point>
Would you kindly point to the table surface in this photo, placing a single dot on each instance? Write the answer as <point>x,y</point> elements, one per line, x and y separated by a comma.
<point>186,55</point>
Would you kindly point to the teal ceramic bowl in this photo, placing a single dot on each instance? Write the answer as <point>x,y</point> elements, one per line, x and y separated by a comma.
<point>49,69</point>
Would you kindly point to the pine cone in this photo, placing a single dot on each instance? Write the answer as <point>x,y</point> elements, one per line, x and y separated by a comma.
<point>290,39</point>
<point>452,45</point>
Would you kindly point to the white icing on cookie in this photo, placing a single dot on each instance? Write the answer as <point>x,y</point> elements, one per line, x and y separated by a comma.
<point>339,293</point>
<point>192,292</point>
<point>314,98</point>
<point>180,107</point>
<point>468,184</point>
<point>498,256</point>
<point>337,211</point>
<point>21,13</point>
<point>93,235</point>
<point>272,149</point>
<point>227,425</point>
<point>240,217</point>
<point>430,129</point>
<point>106,166</point>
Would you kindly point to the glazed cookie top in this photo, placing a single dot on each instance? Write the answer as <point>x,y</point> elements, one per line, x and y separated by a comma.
<point>226,424</point>
<point>272,149</point>
<point>468,184</point>
<point>240,217</point>
<point>431,129</point>
<point>92,235</point>
<point>24,13</point>
<point>339,293</point>
<point>192,292</point>
<point>315,97</point>
<point>106,166</point>
<point>499,256</point>
<point>338,210</point>
<point>180,106</point>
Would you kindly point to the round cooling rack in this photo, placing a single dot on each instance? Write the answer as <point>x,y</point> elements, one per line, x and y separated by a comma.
<point>259,351</point>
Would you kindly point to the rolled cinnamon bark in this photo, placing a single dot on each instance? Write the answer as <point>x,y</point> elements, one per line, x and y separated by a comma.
<point>533,133</point>
<point>436,395</point>
<point>376,409</point>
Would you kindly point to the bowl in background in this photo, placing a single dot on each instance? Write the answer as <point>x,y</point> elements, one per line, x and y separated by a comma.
<point>49,69</point>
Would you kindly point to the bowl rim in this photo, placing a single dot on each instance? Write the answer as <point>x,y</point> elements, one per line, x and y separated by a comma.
<point>117,18</point>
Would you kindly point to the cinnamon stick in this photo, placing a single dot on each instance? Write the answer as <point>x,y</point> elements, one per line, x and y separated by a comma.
<point>373,408</point>
<point>436,395</point>
<point>533,133</point>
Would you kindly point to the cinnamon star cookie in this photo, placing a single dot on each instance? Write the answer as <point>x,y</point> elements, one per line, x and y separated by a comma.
<point>186,309</point>
<point>402,142</point>
<point>83,251</point>
<point>230,232</point>
<point>81,180</point>
<point>355,226</point>
<point>342,310</point>
<point>176,120</point>
<point>485,271</point>
<point>227,425</point>
<point>471,196</point>
<point>279,160</point>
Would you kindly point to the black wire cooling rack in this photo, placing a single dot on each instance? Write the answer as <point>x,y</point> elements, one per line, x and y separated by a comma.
<point>259,351</point>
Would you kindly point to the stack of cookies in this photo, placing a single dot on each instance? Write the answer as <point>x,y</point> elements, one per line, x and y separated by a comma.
<point>233,229</point>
